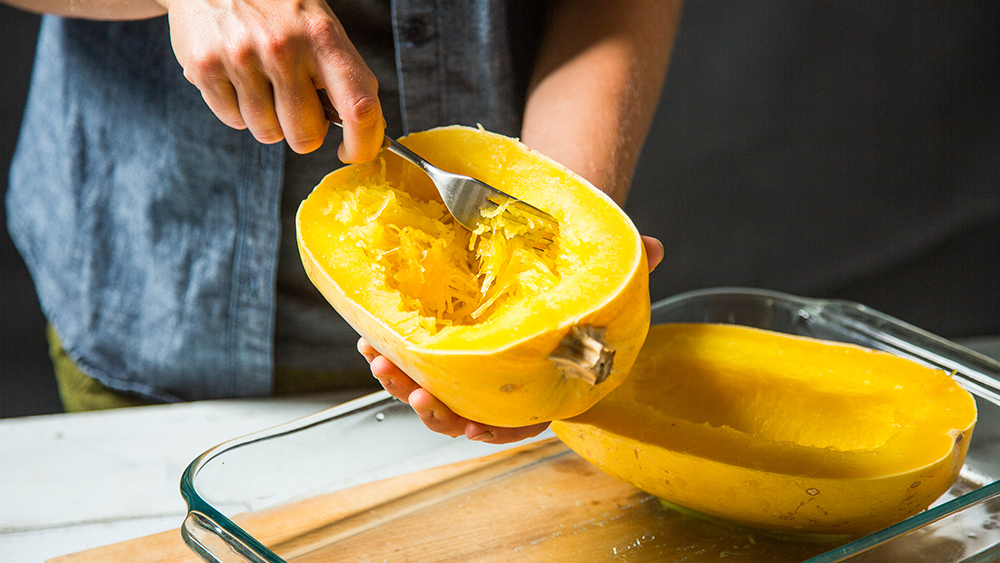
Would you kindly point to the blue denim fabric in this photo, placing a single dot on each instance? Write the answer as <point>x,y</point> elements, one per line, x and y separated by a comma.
<point>152,230</point>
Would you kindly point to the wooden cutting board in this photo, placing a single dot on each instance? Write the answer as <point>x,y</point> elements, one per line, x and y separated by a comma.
<point>538,502</point>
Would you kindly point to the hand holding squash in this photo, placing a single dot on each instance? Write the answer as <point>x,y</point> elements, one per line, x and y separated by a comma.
<point>500,333</point>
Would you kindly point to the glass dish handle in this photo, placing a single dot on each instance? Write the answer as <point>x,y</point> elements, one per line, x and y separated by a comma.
<point>976,372</point>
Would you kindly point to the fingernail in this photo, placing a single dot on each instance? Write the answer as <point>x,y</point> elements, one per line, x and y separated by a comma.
<point>424,413</point>
<point>484,437</point>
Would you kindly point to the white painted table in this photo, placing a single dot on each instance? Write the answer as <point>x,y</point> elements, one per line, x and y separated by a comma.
<point>71,482</point>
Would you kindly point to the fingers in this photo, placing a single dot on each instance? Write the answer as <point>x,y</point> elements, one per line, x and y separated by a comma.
<point>258,65</point>
<point>298,110</point>
<point>220,96</point>
<point>367,350</point>
<point>654,251</point>
<point>499,435</point>
<point>393,380</point>
<point>438,417</point>
<point>435,415</point>
<point>230,75</point>
<point>353,90</point>
<point>240,96</point>
<point>255,100</point>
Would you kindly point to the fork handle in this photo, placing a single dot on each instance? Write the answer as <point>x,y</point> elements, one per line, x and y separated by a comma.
<point>329,111</point>
<point>333,117</point>
<point>406,153</point>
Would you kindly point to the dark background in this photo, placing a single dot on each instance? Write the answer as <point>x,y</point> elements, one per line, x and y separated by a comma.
<point>27,383</point>
<point>893,120</point>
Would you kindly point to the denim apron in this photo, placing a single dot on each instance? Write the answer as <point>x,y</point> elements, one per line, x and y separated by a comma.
<point>152,230</point>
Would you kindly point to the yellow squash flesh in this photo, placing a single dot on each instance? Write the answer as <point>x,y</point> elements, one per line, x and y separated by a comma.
<point>489,326</point>
<point>777,432</point>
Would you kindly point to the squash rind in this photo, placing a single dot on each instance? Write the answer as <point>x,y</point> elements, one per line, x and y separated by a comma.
<point>510,380</point>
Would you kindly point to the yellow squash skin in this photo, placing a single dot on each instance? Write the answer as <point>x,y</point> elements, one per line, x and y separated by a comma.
<point>496,370</point>
<point>778,432</point>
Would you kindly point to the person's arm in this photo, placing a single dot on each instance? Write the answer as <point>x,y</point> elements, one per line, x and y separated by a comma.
<point>259,64</point>
<point>93,9</point>
<point>597,83</point>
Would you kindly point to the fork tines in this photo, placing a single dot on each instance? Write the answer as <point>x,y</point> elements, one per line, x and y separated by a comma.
<point>542,227</point>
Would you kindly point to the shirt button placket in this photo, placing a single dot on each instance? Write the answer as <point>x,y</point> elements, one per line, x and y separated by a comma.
<point>416,31</point>
<point>419,63</point>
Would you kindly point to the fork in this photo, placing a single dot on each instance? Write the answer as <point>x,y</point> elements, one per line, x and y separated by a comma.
<point>469,200</point>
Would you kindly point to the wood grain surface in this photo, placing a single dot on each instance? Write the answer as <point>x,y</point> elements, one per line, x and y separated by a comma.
<point>539,502</point>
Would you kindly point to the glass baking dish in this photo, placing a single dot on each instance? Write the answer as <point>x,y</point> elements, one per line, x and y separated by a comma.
<point>365,481</point>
